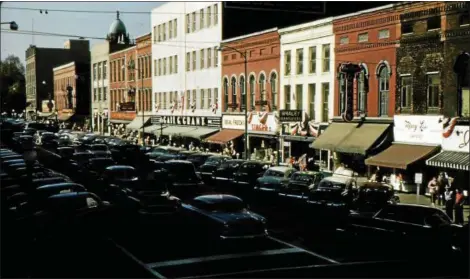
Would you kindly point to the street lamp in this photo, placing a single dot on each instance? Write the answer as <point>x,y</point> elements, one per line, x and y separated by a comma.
<point>13,25</point>
<point>132,67</point>
<point>245,91</point>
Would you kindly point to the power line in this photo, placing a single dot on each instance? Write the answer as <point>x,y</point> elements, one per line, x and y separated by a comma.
<point>95,11</point>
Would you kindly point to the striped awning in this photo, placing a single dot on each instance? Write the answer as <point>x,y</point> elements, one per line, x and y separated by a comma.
<point>450,160</point>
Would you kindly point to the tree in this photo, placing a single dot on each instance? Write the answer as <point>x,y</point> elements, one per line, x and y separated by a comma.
<point>12,86</point>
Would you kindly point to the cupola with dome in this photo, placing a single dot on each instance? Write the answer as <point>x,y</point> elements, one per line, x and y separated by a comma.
<point>117,32</point>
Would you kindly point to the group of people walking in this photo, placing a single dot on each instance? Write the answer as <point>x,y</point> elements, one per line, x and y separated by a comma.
<point>444,194</point>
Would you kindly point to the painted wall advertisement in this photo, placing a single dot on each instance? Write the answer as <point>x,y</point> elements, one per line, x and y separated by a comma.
<point>418,129</point>
<point>458,140</point>
<point>262,122</point>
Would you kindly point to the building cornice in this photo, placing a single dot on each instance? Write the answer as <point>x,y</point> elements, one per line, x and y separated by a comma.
<point>306,26</point>
<point>356,47</point>
<point>348,17</point>
<point>122,51</point>
<point>63,66</point>
<point>241,61</point>
<point>306,38</point>
<point>348,27</point>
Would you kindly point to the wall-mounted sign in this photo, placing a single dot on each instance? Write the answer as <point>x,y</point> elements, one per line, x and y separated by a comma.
<point>186,120</point>
<point>125,115</point>
<point>418,129</point>
<point>290,115</point>
<point>127,106</point>
<point>458,140</point>
<point>257,122</point>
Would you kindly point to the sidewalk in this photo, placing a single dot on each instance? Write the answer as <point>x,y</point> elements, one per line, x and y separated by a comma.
<point>423,200</point>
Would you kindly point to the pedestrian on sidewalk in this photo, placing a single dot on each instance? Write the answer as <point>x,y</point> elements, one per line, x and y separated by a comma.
<point>459,201</point>
<point>432,186</point>
<point>442,183</point>
<point>449,202</point>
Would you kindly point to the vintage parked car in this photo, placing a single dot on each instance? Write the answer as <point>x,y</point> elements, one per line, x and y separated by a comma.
<point>93,169</point>
<point>373,196</point>
<point>223,217</point>
<point>270,184</point>
<point>163,150</point>
<point>296,192</point>
<point>183,181</point>
<point>207,170</point>
<point>198,159</point>
<point>406,229</point>
<point>225,173</point>
<point>245,178</point>
<point>76,213</point>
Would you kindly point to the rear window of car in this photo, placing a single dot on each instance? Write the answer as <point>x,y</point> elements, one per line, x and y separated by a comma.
<point>331,184</point>
<point>274,173</point>
<point>302,177</point>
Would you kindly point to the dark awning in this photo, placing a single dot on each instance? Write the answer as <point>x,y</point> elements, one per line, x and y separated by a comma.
<point>399,156</point>
<point>361,139</point>
<point>333,135</point>
<point>450,160</point>
<point>199,133</point>
<point>225,136</point>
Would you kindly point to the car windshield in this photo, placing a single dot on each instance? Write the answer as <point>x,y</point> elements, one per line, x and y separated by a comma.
<point>160,150</point>
<point>274,173</point>
<point>303,177</point>
<point>180,169</point>
<point>331,184</point>
<point>214,160</point>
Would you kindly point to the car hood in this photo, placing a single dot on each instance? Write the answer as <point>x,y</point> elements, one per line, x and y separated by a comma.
<point>237,217</point>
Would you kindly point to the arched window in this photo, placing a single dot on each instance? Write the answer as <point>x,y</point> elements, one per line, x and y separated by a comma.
<point>262,87</point>
<point>273,82</point>
<point>252,91</point>
<point>234,91</point>
<point>362,89</point>
<point>226,93</point>
<point>384,87</point>
<point>242,92</point>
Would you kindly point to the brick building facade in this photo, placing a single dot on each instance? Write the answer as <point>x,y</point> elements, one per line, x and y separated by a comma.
<point>122,84</point>
<point>367,39</point>
<point>71,90</point>
<point>144,73</point>
<point>263,59</point>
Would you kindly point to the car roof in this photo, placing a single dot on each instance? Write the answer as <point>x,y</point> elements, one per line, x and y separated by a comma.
<point>337,178</point>
<point>120,167</point>
<point>306,172</point>
<point>178,162</point>
<point>60,185</point>
<point>377,185</point>
<point>280,168</point>
<point>217,198</point>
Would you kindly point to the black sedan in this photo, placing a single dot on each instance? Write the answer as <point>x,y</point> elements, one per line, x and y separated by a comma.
<point>224,217</point>
<point>183,181</point>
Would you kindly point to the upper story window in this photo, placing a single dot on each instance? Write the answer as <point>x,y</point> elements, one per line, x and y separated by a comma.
<point>433,85</point>
<point>344,40</point>
<point>300,61</point>
<point>216,14</point>
<point>175,27</point>
<point>209,16</point>
<point>407,28</point>
<point>287,62</point>
<point>406,91</point>
<point>312,58</point>
<point>188,24</point>
<point>434,23</point>
<point>105,67</point>
<point>201,18</point>
<point>170,29</point>
<point>384,34</point>
<point>193,23</point>
<point>464,19</point>
<point>326,58</point>
<point>363,37</point>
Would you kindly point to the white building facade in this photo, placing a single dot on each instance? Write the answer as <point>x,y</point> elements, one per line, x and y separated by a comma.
<point>100,88</point>
<point>186,61</point>
<point>307,83</point>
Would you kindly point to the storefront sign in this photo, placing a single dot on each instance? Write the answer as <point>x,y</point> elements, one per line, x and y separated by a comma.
<point>290,116</point>
<point>418,129</point>
<point>117,115</point>
<point>187,120</point>
<point>128,106</point>
<point>257,122</point>
<point>458,140</point>
<point>418,178</point>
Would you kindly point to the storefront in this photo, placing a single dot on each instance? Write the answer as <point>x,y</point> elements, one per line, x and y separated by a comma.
<point>416,138</point>
<point>119,120</point>
<point>263,135</point>
<point>183,130</point>
<point>454,159</point>
<point>350,143</point>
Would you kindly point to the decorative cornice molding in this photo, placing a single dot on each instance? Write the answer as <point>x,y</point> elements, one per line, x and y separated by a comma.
<point>244,46</point>
<point>241,61</point>
<point>366,23</point>
<point>356,47</point>
<point>448,8</point>
<point>306,28</point>
<point>457,33</point>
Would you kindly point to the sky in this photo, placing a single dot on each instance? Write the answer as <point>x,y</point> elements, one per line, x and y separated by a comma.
<point>82,24</point>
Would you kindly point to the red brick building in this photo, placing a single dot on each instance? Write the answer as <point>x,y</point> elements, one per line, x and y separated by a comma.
<point>144,70</point>
<point>71,90</point>
<point>367,39</point>
<point>122,85</point>
<point>262,50</point>
<point>263,55</point>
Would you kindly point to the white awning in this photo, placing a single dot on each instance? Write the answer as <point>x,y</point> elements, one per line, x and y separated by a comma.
<point>137,123</point>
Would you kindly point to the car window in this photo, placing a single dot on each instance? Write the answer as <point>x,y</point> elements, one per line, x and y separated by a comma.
<point>274,173</point>
<point>302,177</point>
<point>332,184</point>
<point>223,206</point>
